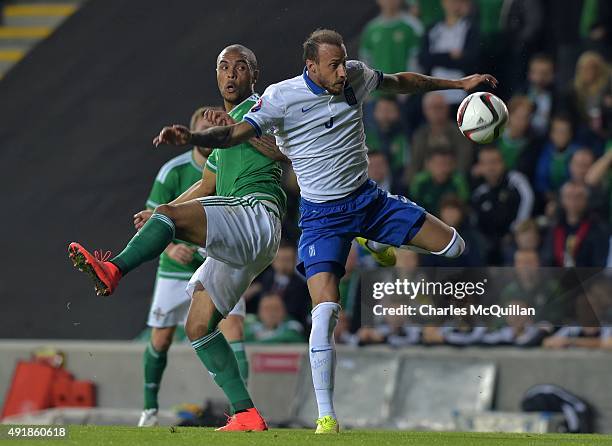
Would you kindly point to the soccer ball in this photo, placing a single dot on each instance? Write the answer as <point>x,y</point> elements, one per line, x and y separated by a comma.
<point>482,117</point>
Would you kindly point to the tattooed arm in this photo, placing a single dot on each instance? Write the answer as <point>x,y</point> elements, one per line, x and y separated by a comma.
<point>266,145</point>
<point>219,137</point>
<point>407,83</point>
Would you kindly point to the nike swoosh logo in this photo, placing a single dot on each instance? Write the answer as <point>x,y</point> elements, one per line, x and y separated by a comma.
<point>314,350</point>
<point>304,110</point>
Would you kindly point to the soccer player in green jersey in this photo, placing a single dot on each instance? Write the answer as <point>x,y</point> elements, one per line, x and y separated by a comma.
<point>240,227</point>
<point>176,266</point>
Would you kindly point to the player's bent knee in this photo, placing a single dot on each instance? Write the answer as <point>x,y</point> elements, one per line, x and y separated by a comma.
<point>162,344</point>
<point>195,330</point>
<point>454,248</point>
<point>166,209</point>
<point>232,328</point>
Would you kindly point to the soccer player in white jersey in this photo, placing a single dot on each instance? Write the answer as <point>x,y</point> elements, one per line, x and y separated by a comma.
<point>316,118</point>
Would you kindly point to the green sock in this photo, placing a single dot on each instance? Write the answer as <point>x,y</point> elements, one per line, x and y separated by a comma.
<point>154,363</point>
<point>242,359</point>
<point>147,244</point>
<point>216,354</point>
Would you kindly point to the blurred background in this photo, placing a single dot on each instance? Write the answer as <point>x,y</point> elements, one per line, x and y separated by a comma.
<point>84,86</point>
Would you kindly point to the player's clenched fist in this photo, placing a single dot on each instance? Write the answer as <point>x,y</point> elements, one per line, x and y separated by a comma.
<point>218,117</point>
<point>176,135</point>
<point>141,218</point>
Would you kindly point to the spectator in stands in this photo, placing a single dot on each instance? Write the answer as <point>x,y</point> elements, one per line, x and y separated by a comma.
<point>272,324</point>
<point>541,90</point>
<point>439,131</point>
<point>451,47</point>
<point>526,237</point>
<point>501,202</point>
<point>534,286</point>
<point>439,179</point>
<point>387,135</point>
<point>570,23</point>
<point>282,280</point>
<point>599,180</point>
<point>552,166</point>
<point>379,171</point>
<point>522,22</point>
<point>520,330</point>
<point>428,11</point>
<point>518,144</point>
<point>589,99</point>
<point>393,330</point>
<point>576,239</point>
<point>391,41</point>
<point>576,336</point>
<point>453,212</point>
<point>579,165</point>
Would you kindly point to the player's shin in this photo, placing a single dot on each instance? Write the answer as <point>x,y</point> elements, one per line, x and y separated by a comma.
<point>217,356</point>
<point>154,364</point>
<point>242,359</point>
<point>323,355</point>
<point>147,244</point>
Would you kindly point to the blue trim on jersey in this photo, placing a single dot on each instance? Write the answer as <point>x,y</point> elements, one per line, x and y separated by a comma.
<point>311,85</point>
<point>380,78</point>
<point>258,131</point>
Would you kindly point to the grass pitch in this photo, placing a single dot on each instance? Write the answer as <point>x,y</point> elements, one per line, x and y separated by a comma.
<point>132,436</point>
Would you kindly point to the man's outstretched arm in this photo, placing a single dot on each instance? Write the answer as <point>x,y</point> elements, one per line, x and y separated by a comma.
<point>408,83</point>
<point>218,137</point>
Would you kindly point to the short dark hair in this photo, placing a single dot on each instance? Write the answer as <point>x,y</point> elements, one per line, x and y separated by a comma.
<point>542,57</point>
<point>490,148</point>
<point>440,151</point>
<point>249,55</point>
<point>319,37</point>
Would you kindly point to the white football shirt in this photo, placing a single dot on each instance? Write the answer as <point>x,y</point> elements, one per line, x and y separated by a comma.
<point>320,133</point>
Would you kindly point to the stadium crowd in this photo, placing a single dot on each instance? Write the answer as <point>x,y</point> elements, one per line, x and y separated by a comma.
<point>539,196</point>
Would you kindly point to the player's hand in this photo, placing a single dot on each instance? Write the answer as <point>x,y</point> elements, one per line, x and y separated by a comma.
<point>218,117</point>
<point>141,218</point>
<point>469,83</point>
<point>181,253</point>
<point>176,135</point>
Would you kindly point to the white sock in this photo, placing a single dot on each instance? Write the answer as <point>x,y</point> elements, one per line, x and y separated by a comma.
<point>454,248</point>
<point>376,246</point>
<point>323,355</point>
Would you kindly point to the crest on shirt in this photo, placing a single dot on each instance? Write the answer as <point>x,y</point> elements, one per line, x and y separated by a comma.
<point>257,106</point>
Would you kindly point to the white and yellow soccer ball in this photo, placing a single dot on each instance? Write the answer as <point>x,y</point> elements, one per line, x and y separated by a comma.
<point>482,117</point>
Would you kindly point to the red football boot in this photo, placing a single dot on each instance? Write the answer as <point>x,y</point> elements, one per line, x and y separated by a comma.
<point>104,274</point>
<point>247,421</point>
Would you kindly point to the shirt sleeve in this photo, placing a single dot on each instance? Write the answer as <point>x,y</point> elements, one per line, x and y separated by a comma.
<point>211,162</point>
<point>371,78</point>
<point>267,115</point>
<point>163,190</point>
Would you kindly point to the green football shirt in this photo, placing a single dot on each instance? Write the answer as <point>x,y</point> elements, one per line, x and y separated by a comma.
<point>241,170</point>
<point>174,178</point>
<point>391,45</point>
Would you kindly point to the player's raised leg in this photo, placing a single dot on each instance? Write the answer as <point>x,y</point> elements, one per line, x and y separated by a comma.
<point>217,356</point>
<point>186,221</point>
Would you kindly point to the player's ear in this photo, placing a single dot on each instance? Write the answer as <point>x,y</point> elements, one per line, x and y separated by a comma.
<point>255,76</point>
<point>311,66</point>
